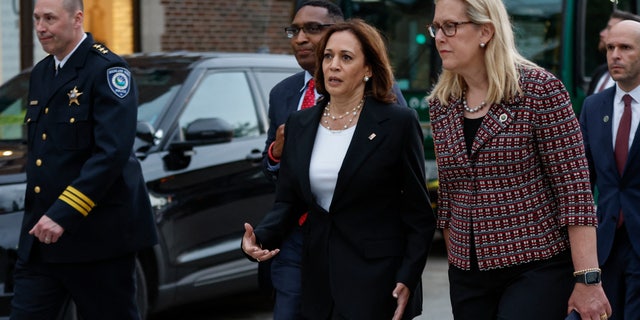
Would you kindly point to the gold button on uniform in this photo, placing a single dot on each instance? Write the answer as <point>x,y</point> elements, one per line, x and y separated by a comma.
<point>28,120</point>
<point>36,189</point>
<point>72,120</point>
<point>46,110</point>
<point>44,136</point>
<point>38,162</point>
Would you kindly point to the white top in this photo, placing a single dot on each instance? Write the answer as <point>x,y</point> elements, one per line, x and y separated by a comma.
<point>618,108</point>
<point>329,151</point>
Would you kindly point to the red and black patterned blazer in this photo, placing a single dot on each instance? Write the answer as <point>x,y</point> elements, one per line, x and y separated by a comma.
<point>526,179</point>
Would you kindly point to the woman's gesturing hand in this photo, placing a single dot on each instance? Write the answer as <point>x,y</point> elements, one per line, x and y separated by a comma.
<point>252,248</point>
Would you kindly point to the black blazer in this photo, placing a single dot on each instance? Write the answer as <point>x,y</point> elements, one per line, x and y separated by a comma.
<point>379,228</point>
<point>81,169</point>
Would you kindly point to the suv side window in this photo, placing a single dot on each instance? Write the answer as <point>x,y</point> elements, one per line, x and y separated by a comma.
<point>226,96</point>
<point>267,79</point>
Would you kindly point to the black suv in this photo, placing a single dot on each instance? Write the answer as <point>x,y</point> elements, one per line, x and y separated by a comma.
<point>202,123</point>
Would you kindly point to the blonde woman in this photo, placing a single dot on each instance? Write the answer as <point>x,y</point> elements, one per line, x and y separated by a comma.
<point>514,202</point>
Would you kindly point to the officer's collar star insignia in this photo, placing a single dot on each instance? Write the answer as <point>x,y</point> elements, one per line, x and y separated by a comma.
<point>73,96</point>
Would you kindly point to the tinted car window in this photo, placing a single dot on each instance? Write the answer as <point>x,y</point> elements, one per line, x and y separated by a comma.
<point>268,80</point>
<point>226,96</point>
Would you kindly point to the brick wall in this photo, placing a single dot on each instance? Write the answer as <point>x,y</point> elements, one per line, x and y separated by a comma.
<point>227,25</point>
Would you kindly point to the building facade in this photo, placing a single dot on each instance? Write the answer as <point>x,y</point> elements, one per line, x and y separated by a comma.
<point>127,26</point>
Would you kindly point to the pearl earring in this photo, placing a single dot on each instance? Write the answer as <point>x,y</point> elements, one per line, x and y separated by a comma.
<point>366,78</point>
<point>482,44</point>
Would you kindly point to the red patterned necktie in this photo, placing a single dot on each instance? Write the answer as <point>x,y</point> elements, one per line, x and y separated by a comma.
<point>621,150</point>
<point>309,95</point>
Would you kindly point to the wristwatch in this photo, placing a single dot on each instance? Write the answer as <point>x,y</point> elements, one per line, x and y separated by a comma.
<point>588,277</point>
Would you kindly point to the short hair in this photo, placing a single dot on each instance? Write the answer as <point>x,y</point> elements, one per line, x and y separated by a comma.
<point>375,54</point>
<point>335,13</point>
<point>624,15</point>
<point>501,57</point>
<point>73,5</point>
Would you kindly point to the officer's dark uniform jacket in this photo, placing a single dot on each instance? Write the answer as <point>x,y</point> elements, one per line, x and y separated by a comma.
<point>81,171</point>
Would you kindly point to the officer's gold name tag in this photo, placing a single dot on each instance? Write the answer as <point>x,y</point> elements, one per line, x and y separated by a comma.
<point>33,103</point>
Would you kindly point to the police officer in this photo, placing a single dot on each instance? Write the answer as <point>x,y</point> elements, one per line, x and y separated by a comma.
<point>87,210</point>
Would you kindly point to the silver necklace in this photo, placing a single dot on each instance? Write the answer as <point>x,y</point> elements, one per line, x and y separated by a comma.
<point>474,109</point>
<point>328,116</point>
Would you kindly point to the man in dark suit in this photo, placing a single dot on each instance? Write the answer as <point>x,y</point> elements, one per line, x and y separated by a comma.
<point>307,28</point>
<point>87,210</point>
<point>600,79</point>
<point>609,122</point>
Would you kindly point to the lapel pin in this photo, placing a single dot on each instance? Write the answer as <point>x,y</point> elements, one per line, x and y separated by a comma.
<point>73,96</point>
<point>605,119</point>
<point>503,117</point>
<point>372,136</point>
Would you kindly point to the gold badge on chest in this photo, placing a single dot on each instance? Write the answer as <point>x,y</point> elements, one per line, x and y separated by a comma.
<point>73,96</point>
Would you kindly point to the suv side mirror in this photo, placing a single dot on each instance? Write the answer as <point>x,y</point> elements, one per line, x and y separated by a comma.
<point>199,132</point>
<point>208,131</point>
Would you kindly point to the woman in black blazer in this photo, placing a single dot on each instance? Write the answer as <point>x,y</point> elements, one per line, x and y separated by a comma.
<point>355,163</point>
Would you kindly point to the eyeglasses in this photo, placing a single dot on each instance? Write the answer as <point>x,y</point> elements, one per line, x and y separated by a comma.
<point>308,28</point>
<point>448,28</point>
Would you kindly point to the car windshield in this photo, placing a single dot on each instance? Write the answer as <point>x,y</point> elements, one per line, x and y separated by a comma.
<point>158,79</point>
<point>13,147</point>
<point>12,107</point>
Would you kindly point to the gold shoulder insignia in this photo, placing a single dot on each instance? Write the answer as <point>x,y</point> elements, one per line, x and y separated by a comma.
<point>100,48</point>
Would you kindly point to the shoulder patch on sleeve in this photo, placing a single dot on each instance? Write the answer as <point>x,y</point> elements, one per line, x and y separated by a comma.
<point>119,80</point>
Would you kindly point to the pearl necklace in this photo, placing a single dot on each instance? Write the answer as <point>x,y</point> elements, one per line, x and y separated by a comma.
<point>328,116</point>
<point>474,109</point>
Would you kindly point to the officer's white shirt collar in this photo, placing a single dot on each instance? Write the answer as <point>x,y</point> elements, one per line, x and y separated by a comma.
<point>60,63</point>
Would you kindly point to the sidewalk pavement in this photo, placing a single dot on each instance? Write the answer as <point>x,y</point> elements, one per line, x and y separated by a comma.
<point>435,283</point>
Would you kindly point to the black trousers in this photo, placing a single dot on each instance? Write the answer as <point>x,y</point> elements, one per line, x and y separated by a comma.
<point>101,290</point>
<point>621,278</point>
<point>536,290</point>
